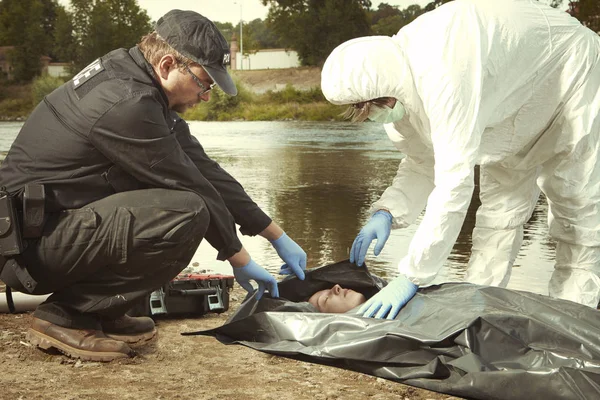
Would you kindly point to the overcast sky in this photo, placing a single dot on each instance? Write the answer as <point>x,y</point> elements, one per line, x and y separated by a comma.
<point>230,10</point>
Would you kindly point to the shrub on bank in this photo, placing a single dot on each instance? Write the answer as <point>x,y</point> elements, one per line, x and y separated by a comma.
<point>15,108</point>
<point>290,111</point>
<point>43,86</point>
<point>292,95</point>
<point>18,101</point>
<point>221,107</point>
<point>15,101</point>
<point>287,104</point>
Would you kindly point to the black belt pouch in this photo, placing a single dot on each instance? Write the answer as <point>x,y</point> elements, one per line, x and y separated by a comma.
<point>11,237</point>
<point>34,215</point>
<point>11,243</point>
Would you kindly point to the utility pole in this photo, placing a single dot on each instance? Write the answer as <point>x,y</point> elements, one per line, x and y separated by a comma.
<point>241,38</point>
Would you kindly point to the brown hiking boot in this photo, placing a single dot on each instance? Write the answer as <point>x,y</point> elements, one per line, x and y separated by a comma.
<point>131,330</point>
<point>85,344</point>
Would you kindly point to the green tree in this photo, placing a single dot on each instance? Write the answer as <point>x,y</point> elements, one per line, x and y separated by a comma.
<point>226,29</point>
<point>49,15</point>
<point>315,27</point>
<point>262,36</point>
<point>65,48</point>
<point>129,22</point>
<point>388,26</point>
<point>105,25</point>
<point>251,35</point>
<point>391,23</point>
<point>384,10</point>
<point>23,25</point>
<point>588,12</point>
<point>435,4</point>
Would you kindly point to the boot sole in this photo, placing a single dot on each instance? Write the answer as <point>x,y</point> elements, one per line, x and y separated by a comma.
<point>137,339</point>
<point>46,342</point>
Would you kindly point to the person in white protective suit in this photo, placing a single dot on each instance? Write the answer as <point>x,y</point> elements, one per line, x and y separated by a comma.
<point>514,88</point>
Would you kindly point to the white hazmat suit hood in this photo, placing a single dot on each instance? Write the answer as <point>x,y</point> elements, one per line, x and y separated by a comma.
<point>363,69</point>
<point>514,89</point>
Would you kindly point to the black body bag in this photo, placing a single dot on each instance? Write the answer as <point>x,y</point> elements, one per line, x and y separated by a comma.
<point>462,339</point>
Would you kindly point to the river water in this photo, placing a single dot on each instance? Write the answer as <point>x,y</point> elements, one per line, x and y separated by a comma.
<point>317,180</point>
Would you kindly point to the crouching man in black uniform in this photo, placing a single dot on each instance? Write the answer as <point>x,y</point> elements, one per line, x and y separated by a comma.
<point>114,194</point>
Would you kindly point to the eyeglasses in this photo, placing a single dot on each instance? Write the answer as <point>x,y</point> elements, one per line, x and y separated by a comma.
<point>199,82</point>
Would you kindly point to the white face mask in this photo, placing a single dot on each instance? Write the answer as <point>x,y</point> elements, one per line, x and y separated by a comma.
<point>385,115</point>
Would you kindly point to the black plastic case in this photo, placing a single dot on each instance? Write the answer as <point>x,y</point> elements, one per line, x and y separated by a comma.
<point>188,294</point>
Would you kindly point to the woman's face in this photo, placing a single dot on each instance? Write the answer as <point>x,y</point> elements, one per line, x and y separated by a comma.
<point>336,300</point>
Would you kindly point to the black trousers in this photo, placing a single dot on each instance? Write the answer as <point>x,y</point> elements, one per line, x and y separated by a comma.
<point>100,260</point>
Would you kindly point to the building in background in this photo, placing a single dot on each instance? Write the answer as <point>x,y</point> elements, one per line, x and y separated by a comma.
<point>262,59</point>
<point>60,70</point>
<point>45,61</point>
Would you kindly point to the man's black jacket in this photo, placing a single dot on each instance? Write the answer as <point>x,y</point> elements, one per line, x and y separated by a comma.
<point>109,130</point>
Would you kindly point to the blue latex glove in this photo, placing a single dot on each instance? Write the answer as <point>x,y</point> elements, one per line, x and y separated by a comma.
<point>390,299</point>
<point>253,271</point>
<point>292,254</point>
<point>378,227</point>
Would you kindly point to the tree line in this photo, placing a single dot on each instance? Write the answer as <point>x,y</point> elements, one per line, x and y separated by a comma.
<point>91,28</point>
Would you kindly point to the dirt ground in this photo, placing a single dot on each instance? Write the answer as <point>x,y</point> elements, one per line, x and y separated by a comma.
<point>181,367</point>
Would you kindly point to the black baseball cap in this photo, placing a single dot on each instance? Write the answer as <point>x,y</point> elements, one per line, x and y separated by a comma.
<point>197,38</point>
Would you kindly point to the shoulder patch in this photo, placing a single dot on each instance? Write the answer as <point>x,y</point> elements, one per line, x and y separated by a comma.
<point>88,72</point>
<point>226,58</point>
